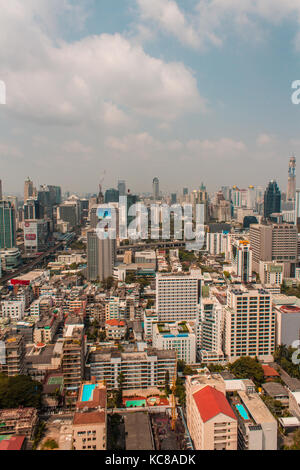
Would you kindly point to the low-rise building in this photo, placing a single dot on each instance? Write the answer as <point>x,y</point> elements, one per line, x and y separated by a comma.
<point>178,336</point>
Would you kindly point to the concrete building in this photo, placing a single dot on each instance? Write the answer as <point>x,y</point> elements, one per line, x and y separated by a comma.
<point>271,272</point>
<point>100,257</point>
<point>141,369</point>
<point>178,296</point>
<point>178,336</point>
<point>211,421</point>
<point>7,226</point>
<point>210,330</point>
<point>287,310</point>
<point>73,357</point>
<point>249,323</point>
<point>274,242</point>
<point>14,356</point>
<point>90,419</point>
<point>14,310</point>
<point>242,260</point>
<point>115,329</point>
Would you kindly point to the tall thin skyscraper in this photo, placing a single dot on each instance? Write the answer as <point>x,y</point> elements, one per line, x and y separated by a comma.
<point>272,200</point>
<point>1,195</point>
<point>122,188</point>
<point>7,225</point>
<point>291,189</point>
<point>28,189</point>
<point>156,189</point>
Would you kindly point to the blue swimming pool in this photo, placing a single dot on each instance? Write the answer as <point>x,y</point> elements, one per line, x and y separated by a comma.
<point>242,411</point>
<point>87,392</point>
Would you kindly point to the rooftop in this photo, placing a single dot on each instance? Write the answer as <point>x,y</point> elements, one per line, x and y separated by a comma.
<point>211,402</point>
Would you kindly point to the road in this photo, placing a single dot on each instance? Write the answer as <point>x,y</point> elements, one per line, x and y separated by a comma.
<point>30,266</point>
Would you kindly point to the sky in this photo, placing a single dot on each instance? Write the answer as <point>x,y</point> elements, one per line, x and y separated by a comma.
<point>190,91</point>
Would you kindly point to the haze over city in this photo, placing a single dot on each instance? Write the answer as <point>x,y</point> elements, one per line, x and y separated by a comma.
<point>190,90</point>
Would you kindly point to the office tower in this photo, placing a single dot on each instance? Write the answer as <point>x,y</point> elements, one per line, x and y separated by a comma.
<point>291,189</point>
<point>274,242</point>
<point>31,209</point>
<point>36,233</point>
<point>7,225</point>
<point>122,188</point>
<point>272,200</point>
<point>242,260</point>
<point>55,195</point>
<point>44,199</point>
<point>1,194</point>
<point>101,256</point>
<point>178,296</point>
<point>156,192</point>
<point>174,198</point>
<point>236,197</point>
<point>29,189</point>
<point>249,324</point>
<point>251,197</point>
<point>185,191</point>
<point>111,195</point>
<point>226,190</point>
<point>70,212</point>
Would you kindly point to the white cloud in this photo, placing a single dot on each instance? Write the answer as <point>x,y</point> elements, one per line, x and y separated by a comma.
<point>104,78</point>
<point>212,20</point>
<point>265,139</point>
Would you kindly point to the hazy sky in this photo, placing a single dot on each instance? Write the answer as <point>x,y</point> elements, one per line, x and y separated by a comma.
<point>190,91</point>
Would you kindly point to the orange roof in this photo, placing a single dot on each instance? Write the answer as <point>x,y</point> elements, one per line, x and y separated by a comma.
<point>115,323</point>
<point>14,443</point>
<point>95,417</point>
<point>210,402</point>
<point>269,371</point>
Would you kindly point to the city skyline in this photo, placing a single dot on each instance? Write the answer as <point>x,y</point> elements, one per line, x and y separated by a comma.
<point>187,93</point>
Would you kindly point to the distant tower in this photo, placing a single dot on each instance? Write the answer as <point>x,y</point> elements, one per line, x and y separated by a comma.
<point>28,189</point>
<point>291,189</point>
<point>1,195</point>
<point>272,200</point>
<point>122,188</point>
<point>100,198</point>
<point>156,189</point>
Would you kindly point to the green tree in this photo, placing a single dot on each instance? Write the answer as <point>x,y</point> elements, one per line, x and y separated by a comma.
<point>248,368</point>
<point>18,391</point>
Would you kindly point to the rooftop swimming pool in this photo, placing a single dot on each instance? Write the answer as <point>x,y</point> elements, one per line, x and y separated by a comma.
<point>87,392</point>
<point>135,403</point>
<point>242,411</point>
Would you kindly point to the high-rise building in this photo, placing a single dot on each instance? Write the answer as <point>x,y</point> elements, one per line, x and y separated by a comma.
<point>156,192</point>
<point>178,296</point>
<point>274,242</point>
<point>29,190</point>
<point>291,188</point>
<point>249,324</point>
<point>36,234</point>
<point>31,209</point>
<point>242,260</point>
<point>122,188</point>
<point>272,200</point>
<point>101,256</point>
<point>111,195</point>
<point>7,225</point>
<point>1,194</point>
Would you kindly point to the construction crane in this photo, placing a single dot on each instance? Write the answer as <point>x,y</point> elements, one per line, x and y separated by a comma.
<point>173,398</point>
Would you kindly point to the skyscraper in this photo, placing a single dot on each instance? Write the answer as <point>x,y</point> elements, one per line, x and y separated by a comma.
<point>31,209</point>
<point>291,189</point>
<point>122,188</point>
<point>29,190</point>
<point>156,189</point>
<point>7,225</point>
<point>1,195</point>
<point>272,200</point>
<point>101,256</point>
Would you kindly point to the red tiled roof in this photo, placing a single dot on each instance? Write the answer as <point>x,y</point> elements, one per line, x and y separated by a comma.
<point>14,443</point>
<point>95,417</point>
<point>210,402</point>
<point>115,323</point>
<point>269,371</point>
